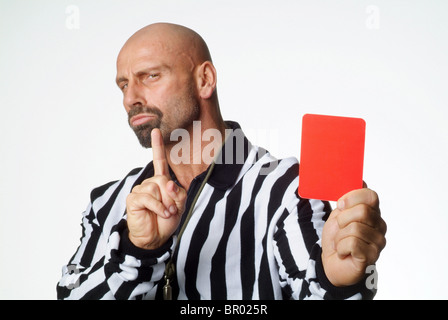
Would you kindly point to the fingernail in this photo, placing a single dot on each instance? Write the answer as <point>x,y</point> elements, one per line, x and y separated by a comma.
<point>173,209</point>
<point>341,204</point>
<point>167,214</point>
<point>175,188</point>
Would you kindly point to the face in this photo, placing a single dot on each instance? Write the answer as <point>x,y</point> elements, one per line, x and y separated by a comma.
<point>158,90</point>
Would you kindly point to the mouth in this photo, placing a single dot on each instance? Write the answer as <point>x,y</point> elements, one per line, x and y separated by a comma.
<point>141,118</point>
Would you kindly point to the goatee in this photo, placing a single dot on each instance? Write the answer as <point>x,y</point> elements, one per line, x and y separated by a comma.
<point>143,131</point>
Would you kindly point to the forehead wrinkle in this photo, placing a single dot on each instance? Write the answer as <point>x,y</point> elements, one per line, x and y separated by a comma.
<point>179,50</point>
<point>142,52</point>
<point>134,58</point>
<point>183,45</point>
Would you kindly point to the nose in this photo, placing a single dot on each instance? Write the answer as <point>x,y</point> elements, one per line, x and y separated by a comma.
<point>133,96</point>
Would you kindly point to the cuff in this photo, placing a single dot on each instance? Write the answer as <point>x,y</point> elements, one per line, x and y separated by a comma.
<point>333,292</point>
<point>128,248</point>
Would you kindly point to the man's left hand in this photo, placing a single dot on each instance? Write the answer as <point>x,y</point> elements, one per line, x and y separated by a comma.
<point>353,237</point>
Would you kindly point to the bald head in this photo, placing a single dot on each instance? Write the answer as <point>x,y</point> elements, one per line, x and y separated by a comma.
<point>172,39</point>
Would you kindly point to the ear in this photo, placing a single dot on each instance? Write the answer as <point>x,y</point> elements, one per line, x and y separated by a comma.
<point>206,76</point>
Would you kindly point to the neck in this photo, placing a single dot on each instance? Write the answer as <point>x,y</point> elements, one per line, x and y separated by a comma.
<point>195,150</point>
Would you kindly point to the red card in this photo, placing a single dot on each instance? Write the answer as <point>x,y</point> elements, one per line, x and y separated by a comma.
<point>331,156</point>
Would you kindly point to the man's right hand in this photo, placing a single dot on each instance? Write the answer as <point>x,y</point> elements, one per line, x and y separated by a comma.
<point>154,208</point>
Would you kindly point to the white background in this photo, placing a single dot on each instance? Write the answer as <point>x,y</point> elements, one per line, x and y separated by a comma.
<point>63,129</point>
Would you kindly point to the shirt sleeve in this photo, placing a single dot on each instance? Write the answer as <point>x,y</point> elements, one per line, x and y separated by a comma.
<point>298,250</point>
<point>109,266</point>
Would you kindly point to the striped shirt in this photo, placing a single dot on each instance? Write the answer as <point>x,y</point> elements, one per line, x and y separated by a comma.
<point>250,236</point>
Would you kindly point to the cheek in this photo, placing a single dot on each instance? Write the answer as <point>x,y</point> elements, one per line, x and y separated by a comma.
<point>173,95</point>
<point>170,96</point>
<point>164,92</point>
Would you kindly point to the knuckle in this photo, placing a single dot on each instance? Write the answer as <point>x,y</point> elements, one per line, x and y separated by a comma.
<point>130,198</point>
<point>383,226</point>
<point>364,210</point>
<point>375,253</point>
<point>152,187</point>
<point>150,201</point>
<point>181,198</point>
<point>158,208</point>
<point>382,242</point>
<point>374,199</point>
<point>353,243</point>
<point>367,213</point>
<point>355,229</point>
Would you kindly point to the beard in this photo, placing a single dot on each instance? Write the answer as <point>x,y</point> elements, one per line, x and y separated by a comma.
<point>143,131</point>
<point>183,112</point>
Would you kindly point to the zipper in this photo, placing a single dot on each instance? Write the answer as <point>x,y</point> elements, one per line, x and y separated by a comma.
<point>170,269</point>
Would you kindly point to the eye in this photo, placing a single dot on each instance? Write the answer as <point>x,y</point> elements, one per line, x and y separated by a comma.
<point>124,86</point>
<point>153,75</point>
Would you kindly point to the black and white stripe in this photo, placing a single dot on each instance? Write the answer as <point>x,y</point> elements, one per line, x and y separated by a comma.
<point>250,237</point>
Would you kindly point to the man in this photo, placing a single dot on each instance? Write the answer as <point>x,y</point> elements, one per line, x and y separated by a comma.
<point>232,228</point>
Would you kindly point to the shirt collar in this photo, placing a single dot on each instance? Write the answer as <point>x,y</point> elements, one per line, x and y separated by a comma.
<point>231,159</point>
<point>228,164</point>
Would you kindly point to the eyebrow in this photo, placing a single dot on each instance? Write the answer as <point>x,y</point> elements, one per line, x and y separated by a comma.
<point>143,71</point>
<point>120,80</point>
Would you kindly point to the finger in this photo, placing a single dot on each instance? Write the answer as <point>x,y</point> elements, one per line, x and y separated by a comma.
<point>159,156</point>
<point>360,196</point>
<point>138,203</point>
<point>156,187</point>
<point>149,186</point>
<point>363,214</point>
<point>364,233</point>
<point>363,252</point>
<point>178,195</point>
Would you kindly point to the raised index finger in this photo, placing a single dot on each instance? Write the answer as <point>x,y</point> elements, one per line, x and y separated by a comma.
<point>159,156</point>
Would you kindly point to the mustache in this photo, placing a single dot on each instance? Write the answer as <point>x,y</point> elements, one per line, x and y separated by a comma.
<point>144,109</point>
